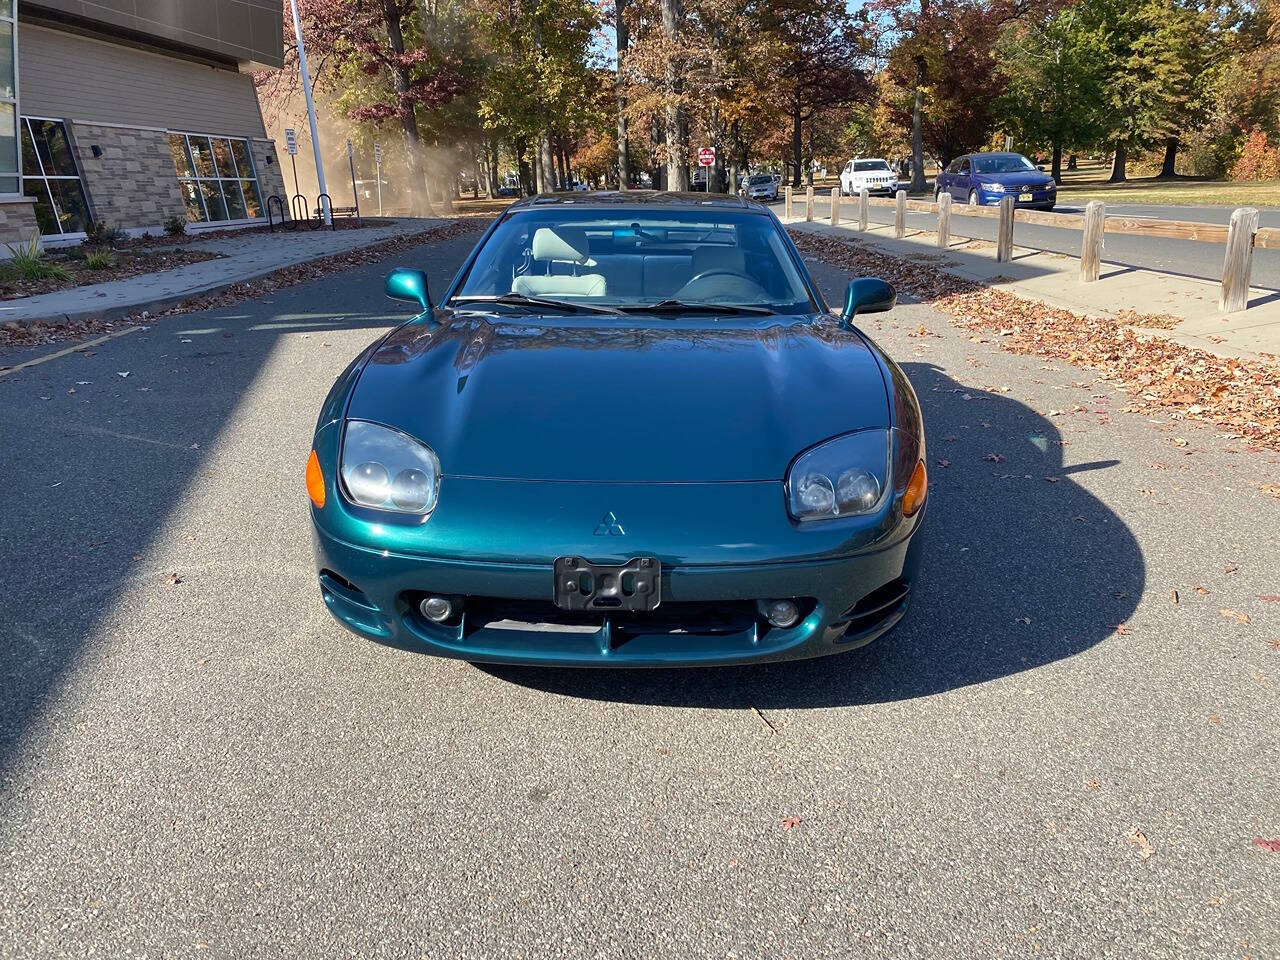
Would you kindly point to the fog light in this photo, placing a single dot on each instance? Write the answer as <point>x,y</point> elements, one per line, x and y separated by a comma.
<point>782,613</point>
<point>436,609</point>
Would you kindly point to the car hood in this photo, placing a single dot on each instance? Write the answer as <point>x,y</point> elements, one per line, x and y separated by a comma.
<point>641,399</point>
<point>1030,178</point>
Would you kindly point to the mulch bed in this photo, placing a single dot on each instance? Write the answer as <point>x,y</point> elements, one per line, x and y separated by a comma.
<point>165,240</point>
<point>129,263</point>
<point>12,335</point>
<point>1241,396</point>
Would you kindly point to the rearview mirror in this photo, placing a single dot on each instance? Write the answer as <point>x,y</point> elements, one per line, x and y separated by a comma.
<point>867,295</point>
<point>408,285</point>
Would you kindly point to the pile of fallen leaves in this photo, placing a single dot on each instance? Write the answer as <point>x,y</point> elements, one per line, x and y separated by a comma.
<point>12,334</point>
<point>1242,396</point>
<point>128,263</point>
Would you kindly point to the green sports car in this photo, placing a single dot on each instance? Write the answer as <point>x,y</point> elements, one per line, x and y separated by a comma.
<point>630,433</point>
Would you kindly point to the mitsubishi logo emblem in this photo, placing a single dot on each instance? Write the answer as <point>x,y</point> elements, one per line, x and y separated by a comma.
<point>610,526</point>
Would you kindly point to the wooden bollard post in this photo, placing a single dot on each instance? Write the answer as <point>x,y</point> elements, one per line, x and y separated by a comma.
<point>835,206</point>
<point>808,203</point>
<point>944,220</point>
<point>1004,239</point>
<point>1239,262</point>
<point>787,209</point>
<point>1095,224</point>
<point>864,204</point>
<point>900,214</point>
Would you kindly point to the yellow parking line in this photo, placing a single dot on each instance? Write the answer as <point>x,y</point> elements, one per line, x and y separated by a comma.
<point>5,371</point>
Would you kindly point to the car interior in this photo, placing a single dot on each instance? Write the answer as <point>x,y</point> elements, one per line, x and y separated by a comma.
<point>638,264</point>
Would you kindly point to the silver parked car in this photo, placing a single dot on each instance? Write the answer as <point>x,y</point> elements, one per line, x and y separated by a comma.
<point>760,186</point>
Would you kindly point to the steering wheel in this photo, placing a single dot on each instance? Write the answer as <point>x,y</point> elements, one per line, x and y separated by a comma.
<point>740,287</point>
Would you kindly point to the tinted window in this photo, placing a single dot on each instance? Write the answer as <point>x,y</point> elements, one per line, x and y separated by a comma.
<point>1003,163</point>
<point>871,165</point>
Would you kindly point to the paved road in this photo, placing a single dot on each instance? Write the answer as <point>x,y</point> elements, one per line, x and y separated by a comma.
<point>211,767</point>
<point>1187,257</point>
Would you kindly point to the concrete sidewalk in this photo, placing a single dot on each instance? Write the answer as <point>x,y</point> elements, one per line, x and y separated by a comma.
<point>1055,279</point>
<point>244,257</point>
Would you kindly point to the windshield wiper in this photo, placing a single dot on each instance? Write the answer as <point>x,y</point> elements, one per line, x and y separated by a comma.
<point>521,300</point>
<point>672,305</point>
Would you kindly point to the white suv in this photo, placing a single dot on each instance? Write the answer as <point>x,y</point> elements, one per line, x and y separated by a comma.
<point>870,172</point>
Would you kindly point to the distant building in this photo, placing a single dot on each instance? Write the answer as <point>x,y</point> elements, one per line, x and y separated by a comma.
<point>130,112</point>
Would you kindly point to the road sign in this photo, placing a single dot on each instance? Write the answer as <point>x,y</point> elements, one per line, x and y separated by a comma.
<point>706,156</point>
<point>377,153</point>
<point>291,142</point>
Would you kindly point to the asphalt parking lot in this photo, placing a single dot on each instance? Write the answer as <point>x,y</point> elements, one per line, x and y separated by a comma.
<point>1049,757</point>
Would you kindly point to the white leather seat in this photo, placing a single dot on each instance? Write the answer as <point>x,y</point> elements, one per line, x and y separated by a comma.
<point>567,246</point>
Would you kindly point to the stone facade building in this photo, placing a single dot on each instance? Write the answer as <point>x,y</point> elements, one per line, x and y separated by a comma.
<point>130,113</point>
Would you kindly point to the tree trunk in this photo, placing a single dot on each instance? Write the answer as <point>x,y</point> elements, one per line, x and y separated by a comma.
<point>1167,169</point>
<point>548,164</point>
<point>491,162</point>
<point>624,159</point>
<point>419,190</point>
<point>1056,169</point>
<point>1117,164</point>
<point>677,123</point>
<point>918,182</point>
<point>525,170</point>
<point>561,167</point>
<point>797,132</point>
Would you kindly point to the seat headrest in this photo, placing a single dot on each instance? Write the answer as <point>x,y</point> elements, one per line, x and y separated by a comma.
<point>718,258</point>
<point>564,244</point>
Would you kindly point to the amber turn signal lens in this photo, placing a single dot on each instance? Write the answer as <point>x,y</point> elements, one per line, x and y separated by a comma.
<point>917,487</point>
<point>315,480</point>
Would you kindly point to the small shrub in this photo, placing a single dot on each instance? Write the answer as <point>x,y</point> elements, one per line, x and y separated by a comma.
<point>100,232</point>
<point>26,262</point>
<point>100,260</point>
<point>1258,159</point>
<point>175,226</point>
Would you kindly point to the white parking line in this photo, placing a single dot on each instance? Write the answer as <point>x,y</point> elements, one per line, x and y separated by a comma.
<point>5,371</point>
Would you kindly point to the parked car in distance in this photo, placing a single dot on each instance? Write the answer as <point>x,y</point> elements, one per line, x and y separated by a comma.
<point>630,433</point>
<point>760,186</point>
<point>986,178</point>
<point>870,172</point>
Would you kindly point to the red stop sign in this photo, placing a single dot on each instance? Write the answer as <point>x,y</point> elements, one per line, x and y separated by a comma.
<point>706,156</point>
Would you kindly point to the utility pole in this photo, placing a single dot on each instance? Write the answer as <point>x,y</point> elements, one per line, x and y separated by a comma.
<point>311,114</point>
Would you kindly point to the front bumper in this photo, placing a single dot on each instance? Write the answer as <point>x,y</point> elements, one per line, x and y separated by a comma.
<point>1037,198</point>
<point>845,602</point>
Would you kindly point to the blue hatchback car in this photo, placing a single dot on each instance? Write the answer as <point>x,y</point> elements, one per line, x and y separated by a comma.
<point>980,179</point>
<point>630,433</point>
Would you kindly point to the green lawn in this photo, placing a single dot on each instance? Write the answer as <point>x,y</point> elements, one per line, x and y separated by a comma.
<point>1090,183</point>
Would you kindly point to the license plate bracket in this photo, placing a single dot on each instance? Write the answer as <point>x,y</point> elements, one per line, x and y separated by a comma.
<point>634,586</point>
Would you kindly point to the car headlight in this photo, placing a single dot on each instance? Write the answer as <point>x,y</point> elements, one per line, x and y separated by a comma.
<point>993,187</point>
<point>388,470</point>
<point>844,477</point>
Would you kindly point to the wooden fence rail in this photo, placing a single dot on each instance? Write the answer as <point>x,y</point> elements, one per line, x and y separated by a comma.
<point>1240,238</point>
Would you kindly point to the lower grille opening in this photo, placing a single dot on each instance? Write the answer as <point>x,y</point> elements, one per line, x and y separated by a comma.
<point>876,606</point>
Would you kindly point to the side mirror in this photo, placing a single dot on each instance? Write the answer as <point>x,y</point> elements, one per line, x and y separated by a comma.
<point>1040,167</point>
<point>408,285</point>
<point>867,295</point>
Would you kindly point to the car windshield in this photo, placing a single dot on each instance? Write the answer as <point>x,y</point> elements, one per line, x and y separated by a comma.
<point>761,178</point>
<point>1005,163</point>
<point>631,258</point>
<point>870,165</point>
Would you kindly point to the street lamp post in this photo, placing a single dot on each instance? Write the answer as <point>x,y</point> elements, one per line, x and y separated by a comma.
<point>311,116</point>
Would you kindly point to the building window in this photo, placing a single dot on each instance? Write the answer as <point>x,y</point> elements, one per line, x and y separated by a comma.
<point>10,171</point>
<point>51,178</point>
<point>216,176</point>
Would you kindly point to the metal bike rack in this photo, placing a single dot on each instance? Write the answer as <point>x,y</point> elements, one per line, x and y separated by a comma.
<point>279,201</point>
<point>299,208</point>
<point>320,208</point>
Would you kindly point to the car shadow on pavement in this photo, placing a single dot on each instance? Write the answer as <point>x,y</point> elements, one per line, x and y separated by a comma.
<point>106,445</point>
<point>1023,567</point>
